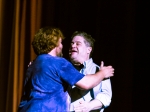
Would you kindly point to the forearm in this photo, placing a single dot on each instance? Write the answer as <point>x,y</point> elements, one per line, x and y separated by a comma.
<point>90,81</point>
<point>95,104</point>
<point>88,106</point>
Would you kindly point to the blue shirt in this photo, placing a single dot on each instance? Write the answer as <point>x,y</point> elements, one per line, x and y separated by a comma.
<point>46,85</point>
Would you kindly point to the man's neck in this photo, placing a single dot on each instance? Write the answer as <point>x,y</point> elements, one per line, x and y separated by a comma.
<point>75,63</point>
<point>78,66</point>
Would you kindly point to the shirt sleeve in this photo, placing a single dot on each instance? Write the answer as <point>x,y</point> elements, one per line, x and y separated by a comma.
<point>105,93</point>
<point>69,74</point>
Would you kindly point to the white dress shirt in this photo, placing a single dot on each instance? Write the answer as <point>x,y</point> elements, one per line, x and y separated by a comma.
<point>102,92</point>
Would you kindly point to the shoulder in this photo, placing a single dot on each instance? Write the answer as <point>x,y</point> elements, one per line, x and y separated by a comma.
<point>95,65</point>
<point>62,60</point>
<point>52,60</point>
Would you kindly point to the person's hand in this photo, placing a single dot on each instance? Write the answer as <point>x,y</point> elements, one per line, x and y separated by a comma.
<point>83,106</point>
<point>30,63</point>
<point>107,71</point>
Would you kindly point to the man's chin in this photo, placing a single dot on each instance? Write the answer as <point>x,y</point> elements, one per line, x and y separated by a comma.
<point>73,56</point>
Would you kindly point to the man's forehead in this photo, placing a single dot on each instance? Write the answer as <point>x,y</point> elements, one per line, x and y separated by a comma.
<point>78,39</point>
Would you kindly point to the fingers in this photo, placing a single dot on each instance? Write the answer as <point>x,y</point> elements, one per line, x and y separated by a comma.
<point>81,107</point>
<point>107,70</point>
<point>81,102</point>
<point>102,64</point>
<point>29,63</point>
<point>112,72</point>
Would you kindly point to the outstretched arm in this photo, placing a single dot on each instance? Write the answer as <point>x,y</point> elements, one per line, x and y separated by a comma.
<point>91,80</point>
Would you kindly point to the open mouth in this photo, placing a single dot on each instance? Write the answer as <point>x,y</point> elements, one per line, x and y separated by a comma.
<point>72,51</point>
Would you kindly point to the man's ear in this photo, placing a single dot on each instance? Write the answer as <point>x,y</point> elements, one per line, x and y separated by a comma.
<point>89,49</point>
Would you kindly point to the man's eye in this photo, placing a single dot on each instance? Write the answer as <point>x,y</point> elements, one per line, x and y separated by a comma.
<point>78,43</point>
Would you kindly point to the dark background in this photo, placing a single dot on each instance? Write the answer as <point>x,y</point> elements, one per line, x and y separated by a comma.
<point>121,30</point>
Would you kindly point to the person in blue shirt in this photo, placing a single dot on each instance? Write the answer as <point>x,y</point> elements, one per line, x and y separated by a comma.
<point>80,53</point>
<point>49,77</point>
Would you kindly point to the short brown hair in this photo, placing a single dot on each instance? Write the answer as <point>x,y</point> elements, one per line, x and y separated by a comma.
<point>46,39</point>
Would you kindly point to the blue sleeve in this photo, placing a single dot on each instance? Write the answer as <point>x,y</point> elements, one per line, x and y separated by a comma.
<point>68,73</point>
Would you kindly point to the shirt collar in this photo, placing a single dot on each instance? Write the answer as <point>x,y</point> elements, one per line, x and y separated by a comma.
<point>87,62</point>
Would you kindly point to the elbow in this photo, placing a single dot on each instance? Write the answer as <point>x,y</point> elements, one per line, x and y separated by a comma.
<point>105,101</point>
<point>86,87</point>
<point>83,86</point>
<point>107,104</point>
<point>85,83</point>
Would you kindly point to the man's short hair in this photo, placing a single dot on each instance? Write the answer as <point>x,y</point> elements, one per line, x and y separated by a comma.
<point>89,41</point>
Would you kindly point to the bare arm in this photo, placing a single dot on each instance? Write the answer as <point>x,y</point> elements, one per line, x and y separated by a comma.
<point>91,80</point>
<point>88,106</point>
<point>95,104</point>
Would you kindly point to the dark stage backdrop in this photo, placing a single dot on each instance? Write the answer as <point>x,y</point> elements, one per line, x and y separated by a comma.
<point>121,32</point>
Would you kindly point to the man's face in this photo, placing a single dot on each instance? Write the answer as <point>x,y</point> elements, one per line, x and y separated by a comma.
<point>59,48</point>
<point>78,51</point>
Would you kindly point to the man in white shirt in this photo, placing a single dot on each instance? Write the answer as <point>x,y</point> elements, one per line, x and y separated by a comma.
<point>98,98</point>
